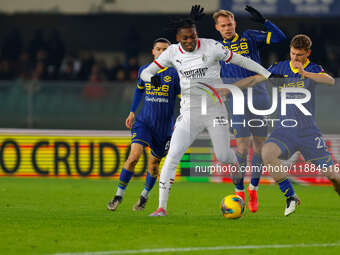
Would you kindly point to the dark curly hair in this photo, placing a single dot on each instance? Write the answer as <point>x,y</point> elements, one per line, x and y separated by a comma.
<point>179,23</point>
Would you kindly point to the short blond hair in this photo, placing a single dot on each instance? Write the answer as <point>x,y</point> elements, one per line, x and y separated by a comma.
<point>223,13</point>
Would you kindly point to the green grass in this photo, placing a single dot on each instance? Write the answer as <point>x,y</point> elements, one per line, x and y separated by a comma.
<point>46,216</point>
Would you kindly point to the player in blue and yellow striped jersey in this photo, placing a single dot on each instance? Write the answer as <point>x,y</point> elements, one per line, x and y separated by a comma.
<point>247,44</point>
<point>153,127</point>
<point>296,130</point>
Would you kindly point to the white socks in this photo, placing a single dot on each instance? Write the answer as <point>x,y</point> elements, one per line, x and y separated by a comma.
<point>145,193</point>
<point>166,180</point>
<point>120,192</point>
<point>252,187</point>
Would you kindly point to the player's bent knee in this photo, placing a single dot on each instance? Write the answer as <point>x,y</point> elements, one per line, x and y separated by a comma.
<point>154,171</point>
<point>258,144</point>
<point>154,161</point>
<point>331,173</point>
<point>265,154</point>
<point>132,160</point>
<point>268,154</point>
<point>243,150</point>
<point>154,166</point>
<point>243,145</point>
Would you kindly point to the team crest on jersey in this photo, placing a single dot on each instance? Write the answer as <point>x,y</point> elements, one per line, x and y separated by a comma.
<point>204,58</point>
<point>167,78</point>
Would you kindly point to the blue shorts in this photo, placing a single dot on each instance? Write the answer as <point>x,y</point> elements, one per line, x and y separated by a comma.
<point>260,102</point>
<point>308,141</point>
<point>145,136</point>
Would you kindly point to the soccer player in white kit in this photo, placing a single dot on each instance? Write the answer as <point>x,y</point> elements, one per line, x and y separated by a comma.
<point>196,60</point>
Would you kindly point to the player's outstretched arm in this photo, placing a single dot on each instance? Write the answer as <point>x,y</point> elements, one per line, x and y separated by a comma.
<point>276,35</point>
<point>249,64</point>
<point>322,78</point>
<point>242,84</point>
<point>149,72</point>
<point>249,81</point>
<point>275,79</point>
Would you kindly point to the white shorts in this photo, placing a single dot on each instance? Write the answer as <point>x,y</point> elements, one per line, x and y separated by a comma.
<point>191,123</point>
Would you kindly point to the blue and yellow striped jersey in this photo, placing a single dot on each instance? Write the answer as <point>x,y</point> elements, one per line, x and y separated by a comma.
<point>247,44</point>
<point>294,80</point>
<point>158,109</point>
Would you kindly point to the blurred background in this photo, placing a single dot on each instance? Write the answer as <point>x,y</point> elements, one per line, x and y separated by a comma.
<point>73,64</point>
<point>68,73</point>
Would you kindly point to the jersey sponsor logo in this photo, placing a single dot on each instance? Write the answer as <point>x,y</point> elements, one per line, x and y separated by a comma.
<point>195,73</point>
<point>167,78</point>
<point>156,100</point>
<point>160,91</point>
<point>297,84</point>
<point>156,93</point>
<point>239,48</point>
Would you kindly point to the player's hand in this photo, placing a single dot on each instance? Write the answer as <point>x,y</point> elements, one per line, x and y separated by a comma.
<point>276,79</point>
<point>197,13</point>
<point>156,81</point>
<point>255,15</point>
<point>129,120</point>
<point>299,66</point>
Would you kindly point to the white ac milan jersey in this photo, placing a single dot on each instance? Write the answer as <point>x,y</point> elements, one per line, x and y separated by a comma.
<point>200,65</point>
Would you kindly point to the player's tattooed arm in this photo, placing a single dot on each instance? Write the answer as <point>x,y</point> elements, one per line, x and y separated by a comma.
<point>317,77</point>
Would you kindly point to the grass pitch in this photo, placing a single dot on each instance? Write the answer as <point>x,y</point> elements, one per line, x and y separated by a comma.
<point>48,216</point>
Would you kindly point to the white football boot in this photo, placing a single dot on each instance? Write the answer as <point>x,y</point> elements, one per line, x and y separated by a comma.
<point>291,204</point>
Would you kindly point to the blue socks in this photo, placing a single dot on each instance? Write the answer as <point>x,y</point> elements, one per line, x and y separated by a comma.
<point>124,179</point>
<point>286,188</point>
<point>149,183</point>
<point>257,164</point>
<point>242,162</point>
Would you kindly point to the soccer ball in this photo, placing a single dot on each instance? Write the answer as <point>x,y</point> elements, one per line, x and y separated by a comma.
<point>232,207</point>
